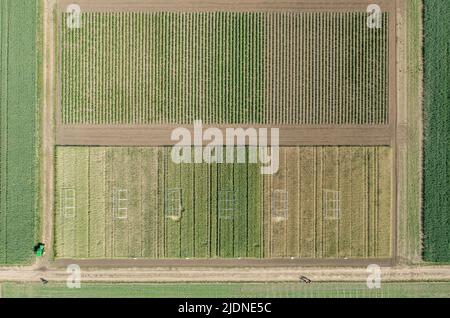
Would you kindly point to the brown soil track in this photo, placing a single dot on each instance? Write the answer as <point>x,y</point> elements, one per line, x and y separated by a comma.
<point>159,135</point>
<point>218,5</point>
<point>48,128</point>
<point>224,274</point>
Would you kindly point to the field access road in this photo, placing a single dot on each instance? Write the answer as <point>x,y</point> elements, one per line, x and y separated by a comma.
<point>159,135</point>
<point>48,127</point>
<point>220,5</point>
<point>208,274</point>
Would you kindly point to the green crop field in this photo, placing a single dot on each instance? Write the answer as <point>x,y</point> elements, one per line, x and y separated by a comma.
<point>437,126</point>
<point>18,123</point>
<point>224,67</point>
<point>229,290</point>
<point>135,202</point>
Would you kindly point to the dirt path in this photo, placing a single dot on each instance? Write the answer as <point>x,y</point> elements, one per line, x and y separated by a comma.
<point>217,5</point>
<point>409,135</point>
<point>48,135</point>
<point>203,274</point>
<point>159,135</point>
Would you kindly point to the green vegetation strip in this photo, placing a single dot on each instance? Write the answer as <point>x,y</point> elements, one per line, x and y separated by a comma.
<point>18,122</point>
<point>231,290</point>
<point>437,127</point>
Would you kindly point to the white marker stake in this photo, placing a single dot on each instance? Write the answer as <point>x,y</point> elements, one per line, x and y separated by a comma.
<point>74,17</point>
<point>374,20</point>
<point>74,279</point>
<point>374,278</point>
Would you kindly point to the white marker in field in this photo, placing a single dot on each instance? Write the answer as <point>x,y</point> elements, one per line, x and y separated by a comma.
<point>374,278</point>
<point>375,18</point>
<point>74,16</point>
<point>74,279</point>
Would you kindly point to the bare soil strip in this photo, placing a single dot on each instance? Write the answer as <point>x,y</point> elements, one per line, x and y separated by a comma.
<point>125,135</point>
<point>218,5</point>
<point>393,120</point>
<point>224,274</point>
<point>400,148</point>
<point>48,129</point>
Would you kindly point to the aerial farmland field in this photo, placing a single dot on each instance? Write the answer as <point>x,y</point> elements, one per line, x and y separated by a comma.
<point>210,148</point>
<point>134,75</point>
<point>19,94</point>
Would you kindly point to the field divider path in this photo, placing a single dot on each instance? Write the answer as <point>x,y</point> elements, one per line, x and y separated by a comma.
<point>218,5</point>
<point>159,135</point>
<point>227,274</point>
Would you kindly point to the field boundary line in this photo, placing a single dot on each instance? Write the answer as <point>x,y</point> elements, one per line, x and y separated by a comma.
<point>226,274</point>
<point>48,137</point>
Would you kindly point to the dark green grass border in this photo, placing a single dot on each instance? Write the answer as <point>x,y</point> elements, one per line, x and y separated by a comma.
<point>436,218</point>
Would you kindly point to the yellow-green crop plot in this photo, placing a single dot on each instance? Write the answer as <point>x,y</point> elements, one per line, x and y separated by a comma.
<point>325,202</point>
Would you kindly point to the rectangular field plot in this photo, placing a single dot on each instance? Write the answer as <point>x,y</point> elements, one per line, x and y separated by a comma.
<point>276,68</point>
<point>19,104</point>
<point>339,203</point>
<point>325,202</point>
<point>135,202</point>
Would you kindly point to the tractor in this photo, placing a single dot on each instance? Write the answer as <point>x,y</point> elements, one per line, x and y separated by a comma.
<point>39,249</point>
